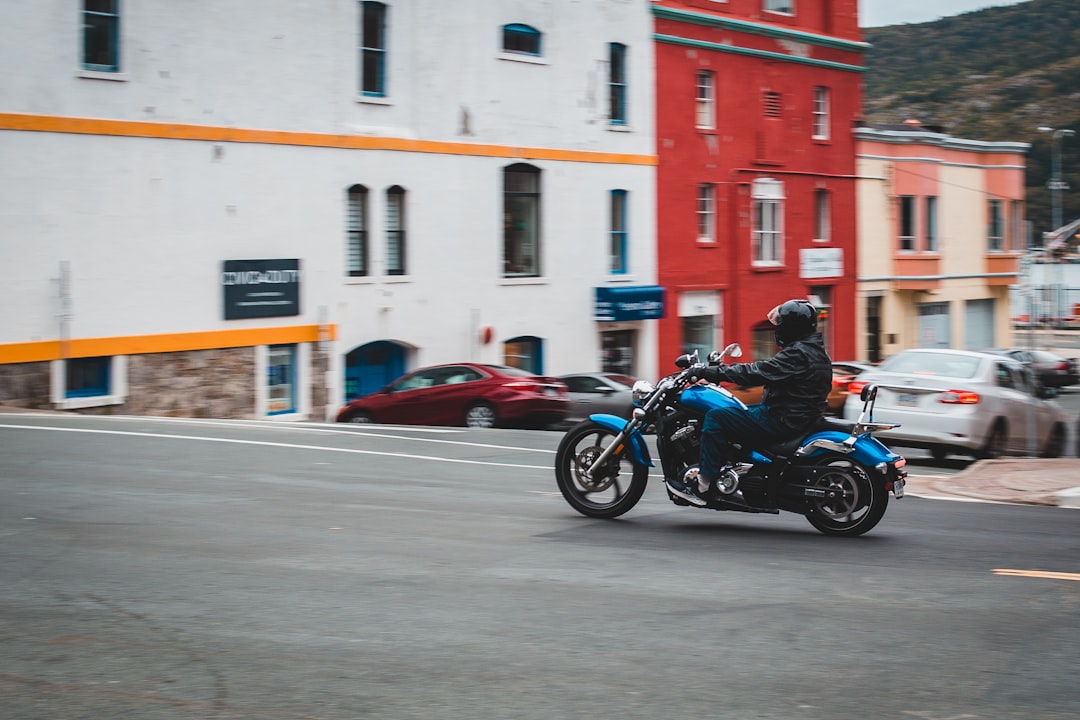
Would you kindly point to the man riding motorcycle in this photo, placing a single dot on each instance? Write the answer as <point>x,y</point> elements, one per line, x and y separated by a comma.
<point>797,381</point>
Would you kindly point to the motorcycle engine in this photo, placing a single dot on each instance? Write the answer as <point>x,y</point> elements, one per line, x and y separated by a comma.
<point>684,442</point>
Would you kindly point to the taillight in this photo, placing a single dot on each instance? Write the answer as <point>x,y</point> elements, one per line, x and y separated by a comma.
<point>524,385</point>
<point>856,387</point>
<point>959,397</point>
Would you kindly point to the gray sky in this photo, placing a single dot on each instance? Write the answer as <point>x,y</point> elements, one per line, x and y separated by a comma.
<point>874,13</point>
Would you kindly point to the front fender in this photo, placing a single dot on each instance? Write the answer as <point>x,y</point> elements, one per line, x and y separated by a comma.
<point>637,441</point>
<point>867,450</point>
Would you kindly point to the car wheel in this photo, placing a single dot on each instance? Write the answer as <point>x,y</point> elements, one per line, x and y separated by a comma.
<point>480,415</point>
<point>995,442</point>
<point>939,453</point>
<point>1055,444</point>
<point>361,418</point>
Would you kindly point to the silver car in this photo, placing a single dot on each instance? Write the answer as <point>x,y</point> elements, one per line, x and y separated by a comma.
<point>969,403</point>
<point>598,392</point>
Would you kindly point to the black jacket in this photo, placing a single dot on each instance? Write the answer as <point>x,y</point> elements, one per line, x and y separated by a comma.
<point>797,380</point>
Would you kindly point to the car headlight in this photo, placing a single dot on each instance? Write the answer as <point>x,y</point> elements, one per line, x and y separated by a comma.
<point>641,392</point>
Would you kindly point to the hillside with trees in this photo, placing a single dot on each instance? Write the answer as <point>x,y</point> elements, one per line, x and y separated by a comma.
<point>993,74</point>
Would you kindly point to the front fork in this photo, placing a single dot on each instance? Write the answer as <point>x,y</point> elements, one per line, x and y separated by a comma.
<point>628,432</point>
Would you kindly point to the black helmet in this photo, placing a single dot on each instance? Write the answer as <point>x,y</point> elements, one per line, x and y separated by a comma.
<point>794,320</point>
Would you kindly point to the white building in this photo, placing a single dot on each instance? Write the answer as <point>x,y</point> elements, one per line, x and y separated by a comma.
<point>413,181</point>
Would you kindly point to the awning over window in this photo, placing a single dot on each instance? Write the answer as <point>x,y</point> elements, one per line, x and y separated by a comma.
<point>620,304</point>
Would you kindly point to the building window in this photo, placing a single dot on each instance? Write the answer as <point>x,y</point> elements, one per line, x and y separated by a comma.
<point>395,230</point>
<point>617,351</point>
<point>521,221</point>
<point>281,379</point>
<point>996,227</point>
<point>822,216</point>
<point>780,6</point>
<point>699,333</point>
<point>773,104</point>
<point>768,216</point>
<point>1017,241</point>
<point>705,103</point>
<point>373,49</point>
<point>931,224</point>
<point>617,83</point>
<point>356,221</point>
<point>821,113</point>
<point>87,377</point>
<point>617,262</point>
<point>101,35</point>
<point>821,298</point>
<point>525,353</point>
<point>907,223</point>
<point>706,213</point>
<point>520,39</point>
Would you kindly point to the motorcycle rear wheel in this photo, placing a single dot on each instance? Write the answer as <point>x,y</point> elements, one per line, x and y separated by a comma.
<point>860,506</point>
<point>611,491</point>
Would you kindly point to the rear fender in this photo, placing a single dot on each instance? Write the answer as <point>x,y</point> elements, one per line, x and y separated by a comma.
<point>868,450</point>
<point>637,442</point>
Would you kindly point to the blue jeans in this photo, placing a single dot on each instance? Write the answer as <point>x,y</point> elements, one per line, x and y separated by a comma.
<point>750,428</point>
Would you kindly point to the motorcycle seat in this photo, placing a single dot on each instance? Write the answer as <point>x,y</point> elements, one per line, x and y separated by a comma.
<point>787,448</point>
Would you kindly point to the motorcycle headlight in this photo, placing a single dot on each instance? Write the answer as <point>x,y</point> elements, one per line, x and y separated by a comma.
<point>641,392</point>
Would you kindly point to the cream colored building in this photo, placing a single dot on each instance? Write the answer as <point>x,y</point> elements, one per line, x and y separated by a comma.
<point>941,231</point>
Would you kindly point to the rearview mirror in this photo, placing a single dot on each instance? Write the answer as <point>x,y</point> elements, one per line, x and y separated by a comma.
<point>733,350</point>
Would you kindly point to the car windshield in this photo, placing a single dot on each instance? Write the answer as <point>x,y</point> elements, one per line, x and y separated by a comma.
<point>624,380</point>
<point>943,364</point>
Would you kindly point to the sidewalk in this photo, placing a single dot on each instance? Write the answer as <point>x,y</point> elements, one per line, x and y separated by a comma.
<point>1027,481</point>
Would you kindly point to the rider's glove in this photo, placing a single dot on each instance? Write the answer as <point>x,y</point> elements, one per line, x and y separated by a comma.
<point>710,373</point>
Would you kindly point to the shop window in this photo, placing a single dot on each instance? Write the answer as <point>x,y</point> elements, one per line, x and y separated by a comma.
<point>281,379</point>
<point>699,333</point>
<point>617,352</point>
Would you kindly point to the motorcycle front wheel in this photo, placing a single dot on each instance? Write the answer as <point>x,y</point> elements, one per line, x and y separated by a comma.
<point>606,492</point>
<point>858,503</point>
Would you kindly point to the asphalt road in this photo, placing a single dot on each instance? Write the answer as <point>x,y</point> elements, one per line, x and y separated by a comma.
<point>210,569</point>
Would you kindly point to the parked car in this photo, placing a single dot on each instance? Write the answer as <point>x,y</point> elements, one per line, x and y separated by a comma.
<point>470,394</point>
<point>1051,369</point>
<point>962,402</point>
<point>598,392</point>
<point>843,373</point>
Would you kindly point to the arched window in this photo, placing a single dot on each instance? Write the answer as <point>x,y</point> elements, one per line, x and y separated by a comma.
<point>521,39</point>
<point>356,225</point>
<point>395,230</point>
<point>521,221</point>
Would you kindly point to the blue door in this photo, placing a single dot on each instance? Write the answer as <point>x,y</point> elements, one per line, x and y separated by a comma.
<point>372,367</point>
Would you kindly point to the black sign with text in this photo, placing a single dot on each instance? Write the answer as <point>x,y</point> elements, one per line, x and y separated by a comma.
<point>261,288</point>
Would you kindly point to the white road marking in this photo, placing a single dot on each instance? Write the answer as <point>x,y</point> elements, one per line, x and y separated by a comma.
<point>294,446</point>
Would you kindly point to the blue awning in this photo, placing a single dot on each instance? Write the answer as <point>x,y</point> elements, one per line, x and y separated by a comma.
<point>619,304</point>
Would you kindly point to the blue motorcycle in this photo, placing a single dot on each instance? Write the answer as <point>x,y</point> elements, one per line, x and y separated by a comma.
<point>838,475</point>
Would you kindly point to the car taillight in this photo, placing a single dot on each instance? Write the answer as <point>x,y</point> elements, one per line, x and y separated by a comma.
<point>959,397</point>
<point>524,385</point>
<point>856,387</point>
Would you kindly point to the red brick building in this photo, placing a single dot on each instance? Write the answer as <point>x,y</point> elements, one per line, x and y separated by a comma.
<point>756,100</point>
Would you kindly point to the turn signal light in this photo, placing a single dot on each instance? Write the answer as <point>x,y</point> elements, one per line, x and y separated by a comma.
<point>959,397</point>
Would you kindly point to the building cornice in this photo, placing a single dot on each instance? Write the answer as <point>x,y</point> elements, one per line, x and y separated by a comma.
<point>708,20</point>
<point>720,47</point>
<point>927,137</point>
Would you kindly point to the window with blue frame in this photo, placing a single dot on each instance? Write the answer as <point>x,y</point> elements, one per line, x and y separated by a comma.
<point>525,353</point>
<point>373,49</point>
<point>618,262</point>
<point>281,379</point>
<point>617,83</point>
<point>520,39</point>
<point>101,35</point>
<point>87,377</point>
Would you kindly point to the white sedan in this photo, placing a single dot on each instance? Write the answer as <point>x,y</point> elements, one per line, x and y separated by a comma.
<point>969,403</point>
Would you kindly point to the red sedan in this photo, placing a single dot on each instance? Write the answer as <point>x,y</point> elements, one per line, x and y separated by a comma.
<point>470,394</point>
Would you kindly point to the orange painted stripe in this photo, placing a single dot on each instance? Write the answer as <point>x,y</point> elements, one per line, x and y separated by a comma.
<point>1039,574</point>
<point>46,350</point>
<point>212,133</point>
